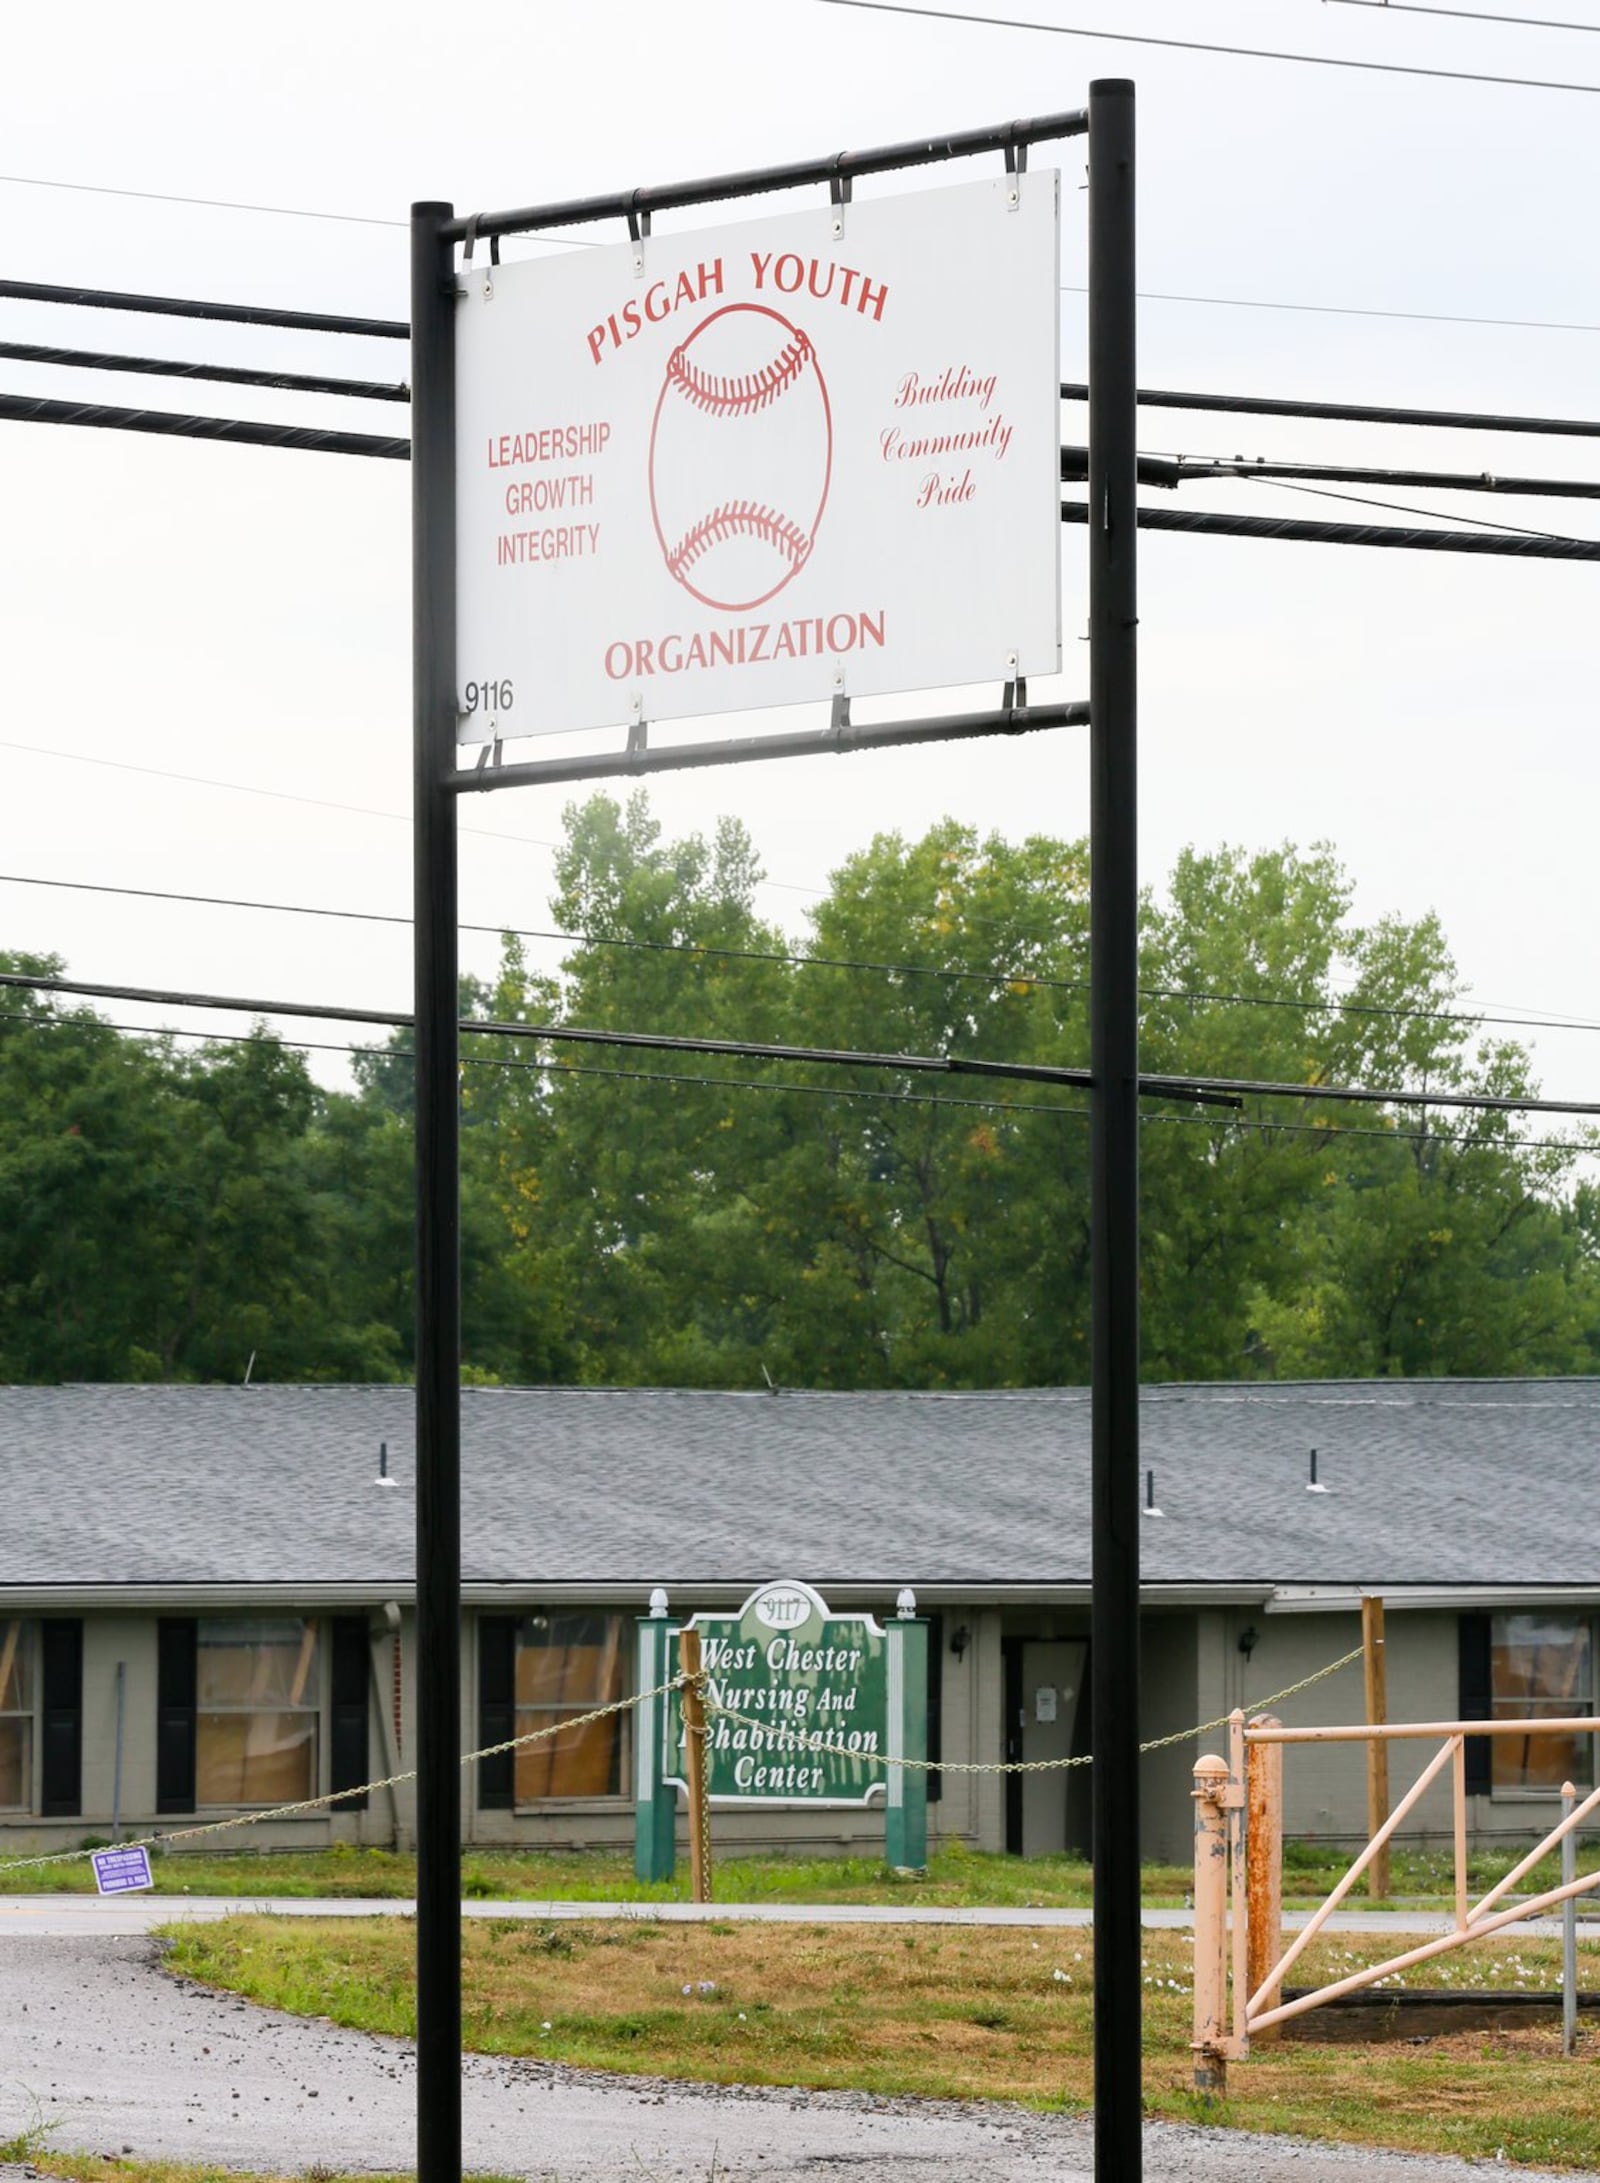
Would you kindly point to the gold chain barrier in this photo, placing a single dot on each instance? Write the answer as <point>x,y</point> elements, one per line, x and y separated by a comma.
<point>339,1796</point>
<point>798,1738</point>
<point>699,1683</point>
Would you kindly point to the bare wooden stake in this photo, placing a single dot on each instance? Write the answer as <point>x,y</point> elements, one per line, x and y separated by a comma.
<point>1377,1682</point>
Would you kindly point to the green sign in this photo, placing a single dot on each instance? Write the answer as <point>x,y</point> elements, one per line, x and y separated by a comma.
<point>798,1708</point>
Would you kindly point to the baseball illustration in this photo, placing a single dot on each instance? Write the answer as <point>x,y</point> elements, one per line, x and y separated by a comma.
<point>741,453</point>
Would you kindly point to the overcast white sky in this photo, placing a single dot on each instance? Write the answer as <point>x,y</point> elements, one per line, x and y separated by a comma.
<point>241,615</point>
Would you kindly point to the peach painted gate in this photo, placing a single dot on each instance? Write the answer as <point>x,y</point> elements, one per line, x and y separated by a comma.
<point>1238,1852</point>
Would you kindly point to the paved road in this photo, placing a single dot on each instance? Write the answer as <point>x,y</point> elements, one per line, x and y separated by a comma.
<point>63,1915</point>
<point>114,2055</point>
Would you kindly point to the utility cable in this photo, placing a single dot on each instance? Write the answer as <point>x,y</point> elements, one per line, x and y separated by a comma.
<point>1195,45</point>
<point>706,951</point>
<point>1272,405</point>
<point>1468,15</point>
<point>1193,1089</point>
<point>1400,507</point>
<point>207,204</point>
<point>1193,468</point>
<point>1351,310</point>
<point>100,299</point>
<point>230,204</point>
<point>100,416</point>
<point>1236,1124</point>
<point>276,795</point>
<point>230,314</point>
<point>1280,528</point>
<point>157,367</point>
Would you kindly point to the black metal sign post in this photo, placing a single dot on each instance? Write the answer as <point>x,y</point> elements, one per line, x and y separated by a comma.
<point>436,231</point>
<point>1114,1134</point>
<point>438,1273</point>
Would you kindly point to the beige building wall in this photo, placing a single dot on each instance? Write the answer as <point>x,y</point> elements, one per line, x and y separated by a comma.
<point>1194,1670</point>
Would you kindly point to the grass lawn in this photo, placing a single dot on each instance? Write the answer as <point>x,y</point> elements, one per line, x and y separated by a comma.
<point>962,2013</point>
<point>956,1878</point>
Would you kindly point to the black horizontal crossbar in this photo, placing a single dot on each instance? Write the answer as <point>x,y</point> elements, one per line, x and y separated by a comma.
<point>1006,136</point>
<point>801,743</point>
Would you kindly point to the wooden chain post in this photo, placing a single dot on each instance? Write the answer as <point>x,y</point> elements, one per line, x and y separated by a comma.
<point>694,1720</point>
<point>1264,1865</point>
<point>1210,1927</point>
<point>1377,1682</point>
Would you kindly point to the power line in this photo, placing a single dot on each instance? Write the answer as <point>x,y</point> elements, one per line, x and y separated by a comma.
<point>208,204</point>
<point>1195,467</point>
<point>579,1068</point>
<point>700,950</point>
<point>231,204</point>
<point>230,314</point>
<point>1272,405</point>
<point>1467,15</point>
<point>159,367</point>
<point>168,424</point>
<point>1398,507</point>
<point>1538,546</point>
<point>1236,1125</point>
<point>1349,310</point>
<point>1195,45</point>
<point>276,795</point>
<point>1187,1088</point>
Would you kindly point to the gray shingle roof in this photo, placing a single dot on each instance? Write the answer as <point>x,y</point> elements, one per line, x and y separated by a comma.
<point>1431,1482</point>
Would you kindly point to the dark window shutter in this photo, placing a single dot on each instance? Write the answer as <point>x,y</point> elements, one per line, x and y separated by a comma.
<point>1477,1696</point>
<point>348,1711</point>
<point>497,1709</point>
<point>935,1706</point>
<point>1011,1741</point>
<point>61,1719</point>
<point>177,1642</point>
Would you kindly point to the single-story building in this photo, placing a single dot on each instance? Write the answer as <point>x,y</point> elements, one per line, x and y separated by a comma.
<point>206,1593</point>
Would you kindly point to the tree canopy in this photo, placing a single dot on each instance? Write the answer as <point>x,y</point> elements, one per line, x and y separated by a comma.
<point>649,1218</point>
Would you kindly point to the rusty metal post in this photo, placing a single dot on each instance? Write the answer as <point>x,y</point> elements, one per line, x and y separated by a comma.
<point>1210,1926</point>
<point>1264,1870</point>
<point>1569,1927</point>
<point>1374,1664</point>
<point>694,1720</point>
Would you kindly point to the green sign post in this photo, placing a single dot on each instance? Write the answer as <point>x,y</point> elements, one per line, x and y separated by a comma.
<point>804,1708</point>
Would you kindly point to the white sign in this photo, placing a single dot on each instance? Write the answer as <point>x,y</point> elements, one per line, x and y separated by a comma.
<point>763,464</point>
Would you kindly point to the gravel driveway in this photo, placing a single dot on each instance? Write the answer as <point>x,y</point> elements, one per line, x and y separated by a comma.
<point>118,2056</point>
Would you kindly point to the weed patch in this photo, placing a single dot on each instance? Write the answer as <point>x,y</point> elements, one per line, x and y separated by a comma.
<point>966,2013</point>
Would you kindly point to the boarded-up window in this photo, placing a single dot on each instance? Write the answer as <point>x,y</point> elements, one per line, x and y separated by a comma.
<point>566,1664</point>
<point>16,1716</point>
<point>257,1704</point>
<point>1541,1668</point>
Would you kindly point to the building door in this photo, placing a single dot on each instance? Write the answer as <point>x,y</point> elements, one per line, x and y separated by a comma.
<point>1047,1716</point>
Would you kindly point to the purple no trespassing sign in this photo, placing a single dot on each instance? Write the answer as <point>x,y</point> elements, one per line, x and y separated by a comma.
<point>122,1871</point>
